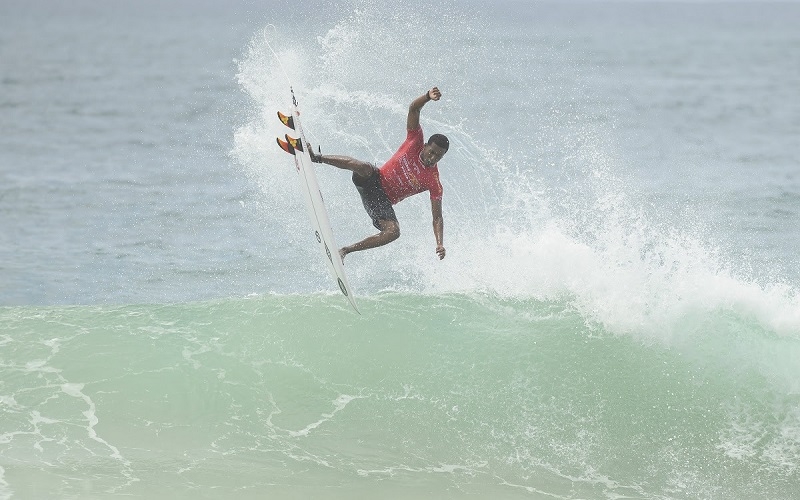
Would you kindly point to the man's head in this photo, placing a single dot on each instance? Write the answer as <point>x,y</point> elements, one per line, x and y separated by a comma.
<point>434,150</point>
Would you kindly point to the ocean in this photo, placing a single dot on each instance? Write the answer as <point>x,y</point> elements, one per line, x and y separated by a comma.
<point>617,317</point>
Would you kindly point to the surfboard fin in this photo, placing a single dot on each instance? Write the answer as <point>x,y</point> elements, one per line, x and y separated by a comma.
<point>295,143</point>
<point>285,146</point>
<point>286,120</point>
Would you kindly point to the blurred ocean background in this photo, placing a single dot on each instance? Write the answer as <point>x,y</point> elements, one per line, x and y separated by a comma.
<point>617,317</point>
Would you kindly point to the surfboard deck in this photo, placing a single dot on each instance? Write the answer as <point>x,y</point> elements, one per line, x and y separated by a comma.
<point>318,215</point>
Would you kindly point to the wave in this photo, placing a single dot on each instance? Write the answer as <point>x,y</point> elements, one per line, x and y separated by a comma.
<point>507,394</point>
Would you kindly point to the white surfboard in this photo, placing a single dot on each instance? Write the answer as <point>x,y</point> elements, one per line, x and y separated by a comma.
<point>318,214</point>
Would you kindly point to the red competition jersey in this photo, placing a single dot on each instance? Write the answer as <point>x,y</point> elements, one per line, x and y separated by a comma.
<point>405,175</point>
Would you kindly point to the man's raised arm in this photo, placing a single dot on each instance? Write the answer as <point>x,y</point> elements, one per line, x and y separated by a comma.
<point>412,123</point>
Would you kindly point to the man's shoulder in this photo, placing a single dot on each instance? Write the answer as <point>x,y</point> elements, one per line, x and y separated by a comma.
<point>414,133</point>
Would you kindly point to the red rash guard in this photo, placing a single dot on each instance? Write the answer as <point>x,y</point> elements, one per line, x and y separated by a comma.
<point>405,175</point>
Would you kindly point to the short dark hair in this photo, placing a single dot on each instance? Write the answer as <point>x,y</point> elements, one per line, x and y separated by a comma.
<point>440,140</point>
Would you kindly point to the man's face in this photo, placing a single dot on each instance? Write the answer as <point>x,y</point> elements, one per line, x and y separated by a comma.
<point>431,154</point>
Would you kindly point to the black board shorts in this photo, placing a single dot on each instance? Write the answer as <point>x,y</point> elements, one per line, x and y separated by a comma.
<point>374,198</point>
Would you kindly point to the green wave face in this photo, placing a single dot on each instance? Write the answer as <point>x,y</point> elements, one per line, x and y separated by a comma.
<point>430,396</point>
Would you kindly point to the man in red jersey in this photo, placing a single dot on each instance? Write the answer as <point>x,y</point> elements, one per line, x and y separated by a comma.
<point>411,170</point>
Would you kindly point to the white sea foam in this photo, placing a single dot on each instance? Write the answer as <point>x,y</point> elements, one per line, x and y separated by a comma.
<point>76,391</point>
<point>339,404</point>
<point>547,211</point>
<point>6,493</point>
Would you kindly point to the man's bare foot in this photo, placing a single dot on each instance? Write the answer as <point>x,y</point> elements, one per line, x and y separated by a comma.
<point>342,253</point>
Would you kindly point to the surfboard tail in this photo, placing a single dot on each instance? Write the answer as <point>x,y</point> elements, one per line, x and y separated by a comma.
<point>286,146</point>
<point>286,120</point>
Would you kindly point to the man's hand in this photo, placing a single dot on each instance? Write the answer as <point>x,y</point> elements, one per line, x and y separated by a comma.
<point>434,94</point>
<point>440,252</point>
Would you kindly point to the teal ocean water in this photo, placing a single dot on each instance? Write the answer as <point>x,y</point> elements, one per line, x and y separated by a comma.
<point>442,396</point>
<point>617,316</point>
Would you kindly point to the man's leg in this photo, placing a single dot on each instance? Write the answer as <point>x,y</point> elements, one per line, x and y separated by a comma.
<point>358,167</point>
<point>390,231</point>
<point>363,173</point>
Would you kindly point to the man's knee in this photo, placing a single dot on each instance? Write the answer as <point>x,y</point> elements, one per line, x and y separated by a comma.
<point>390,229</point>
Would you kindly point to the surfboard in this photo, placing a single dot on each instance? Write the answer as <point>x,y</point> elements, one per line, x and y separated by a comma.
<point>297,146</point>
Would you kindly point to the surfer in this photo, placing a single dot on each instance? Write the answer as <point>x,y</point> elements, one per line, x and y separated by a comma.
<point>411,170</point>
